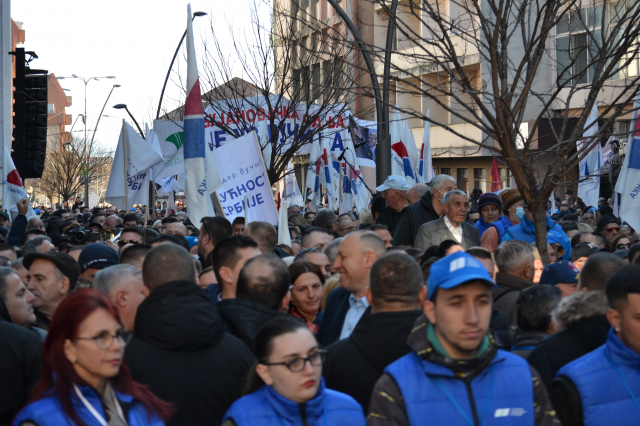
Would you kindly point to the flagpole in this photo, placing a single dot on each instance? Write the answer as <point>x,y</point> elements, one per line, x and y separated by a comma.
<point>126,157</point>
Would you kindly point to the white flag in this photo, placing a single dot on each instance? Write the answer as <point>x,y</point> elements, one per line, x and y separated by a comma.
<point>589,185</point>
<point>283,221</point>
<point>628,183</point>
<point>12,187</point>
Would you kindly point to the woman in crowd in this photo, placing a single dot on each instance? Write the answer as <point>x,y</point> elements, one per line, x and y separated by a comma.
<point>286,387</point>
<point>83,379</point>
<point>306,292</point>
<point>492,224</point>
<point>621,242</point>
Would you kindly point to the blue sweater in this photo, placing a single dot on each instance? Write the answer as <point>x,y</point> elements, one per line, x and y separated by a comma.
<point>526,231</point>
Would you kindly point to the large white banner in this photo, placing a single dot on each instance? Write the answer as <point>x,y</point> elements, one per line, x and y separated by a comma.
<point>242,171</point>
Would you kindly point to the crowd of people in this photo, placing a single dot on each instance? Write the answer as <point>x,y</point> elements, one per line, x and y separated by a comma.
<point>431,305</point>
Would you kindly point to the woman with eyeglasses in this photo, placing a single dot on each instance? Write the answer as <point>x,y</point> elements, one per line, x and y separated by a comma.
<point>84,382</point>
<point>621,242</point>
<point>286,387</point>
<point>306,292</point>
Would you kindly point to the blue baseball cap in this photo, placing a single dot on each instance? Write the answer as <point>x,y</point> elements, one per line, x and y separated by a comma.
<point>454,270</point>
<point>192,241</point>
<point>562,272</point>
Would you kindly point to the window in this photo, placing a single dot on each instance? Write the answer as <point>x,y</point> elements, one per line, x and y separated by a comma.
<point>463,179</point>
<point>504,177</point>
<point>446,171</point>
<point>51,109</point>
<point>574,44</point>
<point>480,179</point>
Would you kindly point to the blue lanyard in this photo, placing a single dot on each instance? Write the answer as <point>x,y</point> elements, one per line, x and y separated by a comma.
<point>324,413</point>
<point>624,381</point>
<point>459,408</point>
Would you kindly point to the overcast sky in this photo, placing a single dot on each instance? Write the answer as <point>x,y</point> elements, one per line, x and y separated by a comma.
<point>133,40</point>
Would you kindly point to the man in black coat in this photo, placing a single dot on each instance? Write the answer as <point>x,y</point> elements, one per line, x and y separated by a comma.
<point>20,368</point>
<point>180,349</point>
<point>396,294</point>
<point>262,293</point>
<point>429,208</point>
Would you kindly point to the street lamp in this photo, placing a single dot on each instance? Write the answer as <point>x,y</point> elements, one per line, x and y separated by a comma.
<point>195,14</point>
<point>124,106</point>
<point>86,154</point>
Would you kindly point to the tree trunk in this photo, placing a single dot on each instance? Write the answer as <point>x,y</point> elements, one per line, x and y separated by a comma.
<point>538,208</point>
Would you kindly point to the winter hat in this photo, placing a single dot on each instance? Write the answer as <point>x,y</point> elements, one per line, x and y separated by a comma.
<point>97,256</point>
<point>509,198</point>
<point>489,199</point>
<point>65,264</point>
<point>605,220</point>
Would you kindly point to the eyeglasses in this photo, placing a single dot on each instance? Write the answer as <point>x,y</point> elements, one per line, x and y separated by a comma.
<point>296,365</point>
<point>104,339</point>
<point>122,243</point>
<point>623,246</point>
<point>612,228</point>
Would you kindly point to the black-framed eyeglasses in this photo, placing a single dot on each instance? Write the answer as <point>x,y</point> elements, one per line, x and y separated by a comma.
<point>203,221</point>
<point>296,365</point>
<point>623,246</point>
<point>104,339</point>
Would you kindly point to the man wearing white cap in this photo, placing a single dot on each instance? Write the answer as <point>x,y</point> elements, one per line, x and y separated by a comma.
<point>394,191</point>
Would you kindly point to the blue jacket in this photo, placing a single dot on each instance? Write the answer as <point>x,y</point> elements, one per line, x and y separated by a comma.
<point>604,395</point>
<point>501,394</point>
<point>266,407</point>
<point>526,231</point>
<point>48,411</point>
<point>501,226</point>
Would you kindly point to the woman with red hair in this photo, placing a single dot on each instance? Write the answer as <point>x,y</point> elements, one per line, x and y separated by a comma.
<point>84,381</point>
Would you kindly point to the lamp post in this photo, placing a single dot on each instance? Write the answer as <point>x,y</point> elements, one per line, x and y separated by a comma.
<point>86,154</point>
<point>124,106</point>
<point>195,14</point>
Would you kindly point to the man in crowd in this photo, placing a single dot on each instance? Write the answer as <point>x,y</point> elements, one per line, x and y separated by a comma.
<point>228,258</point>
<point>212,230</point>
<point>262,293</point>
<point>134,255</point>
<point>124,287</point>
<point>453,360</point>
<point>516,269</point>
<point>416,192</point>
<point>326,219</point>
<point>97,219</point>
<point>7,251</point>
<point>534,307</point>
<point>177,228</point>
<point>203,369</point>
<point>314,237</point>
<point>16,298</point>
<point>38,244</point>
<point>581,252</point>
<point>164,224</point>
<point>451,226</point>
<point>582,237</point>
<point>347,305</point>
<point>130,219</point>
<point>396,295</point>
<point>265,235</point>
<point>590,219</point>
<point>52,276</point>
<point>238,225</point>
<point>609,226</point>
<point>563,275</point>
<point>94,258</point>
<point>316,256</point>
<point>35,223</point>
<point>383,232</point>
<point>130,235</point>
<point>112,221</point>
<point>394,191</point>
<point>429,208</point>
<point>345,224</point>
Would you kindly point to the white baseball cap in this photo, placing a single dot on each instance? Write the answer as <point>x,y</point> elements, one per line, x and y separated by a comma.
<point>394,182</point>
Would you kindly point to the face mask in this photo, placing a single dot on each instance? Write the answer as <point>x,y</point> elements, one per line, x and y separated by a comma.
<point>519,213</point>
<point>443,195</point>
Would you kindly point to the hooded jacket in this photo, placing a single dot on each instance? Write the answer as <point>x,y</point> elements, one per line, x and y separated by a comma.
<point>181,351</point>
<point>506,295</point>
<point>515,387</point>
<point>413,217</point>
<point>354,364</point>
<point>526,231</point>
<point>242,318</point>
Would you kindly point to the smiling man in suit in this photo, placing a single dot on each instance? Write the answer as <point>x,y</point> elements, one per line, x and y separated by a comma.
<point>451,225</point>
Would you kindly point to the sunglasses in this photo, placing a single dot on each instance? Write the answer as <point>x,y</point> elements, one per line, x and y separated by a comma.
<point>122,243</point>
<point>623,246</point>
<point>612,228</point>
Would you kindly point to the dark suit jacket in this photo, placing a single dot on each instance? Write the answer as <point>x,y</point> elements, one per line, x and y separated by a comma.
<point>334,315</point>
<point>435,232</point>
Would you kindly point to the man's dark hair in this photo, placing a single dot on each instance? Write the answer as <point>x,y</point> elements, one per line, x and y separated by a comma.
<point>306,214</point>
<point>53,225</point>
<point>622,282</point>
<point>597,269</point>
<point>6,247</point>
<point>239,220</point>
<point>59,213</point>
<point>170,219</point>
<point>133,229</point>
<point>377,227</point>
<point>575,240</point>
<point>480,253</point>
<point>568,225</point>
<point>305,236</point>
<point>535,305</point>
<point>93,217</point>
<point>264,234</point>
<point>174,239</point>
<point>217,228</point>
<point>129,217</point>
<point>150,235</point>
<point>633,252</point>
<point>600,239</point>
<point>4,272</point>
<point>325,218</point>
<point>265,280</point>
<point>166,263</point>
<point>571,217</point>
<point>134,252</point>
<point>395,277</point>
<point>226,252</point>
<point>33,233</point>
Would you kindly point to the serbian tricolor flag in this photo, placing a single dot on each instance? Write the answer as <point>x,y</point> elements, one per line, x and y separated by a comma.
<point>628,184</point>
<point>12,188</point>
<point>425,169</point>
<point>200,181</point>
<point>495,184</point>
<point>400,163</point>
